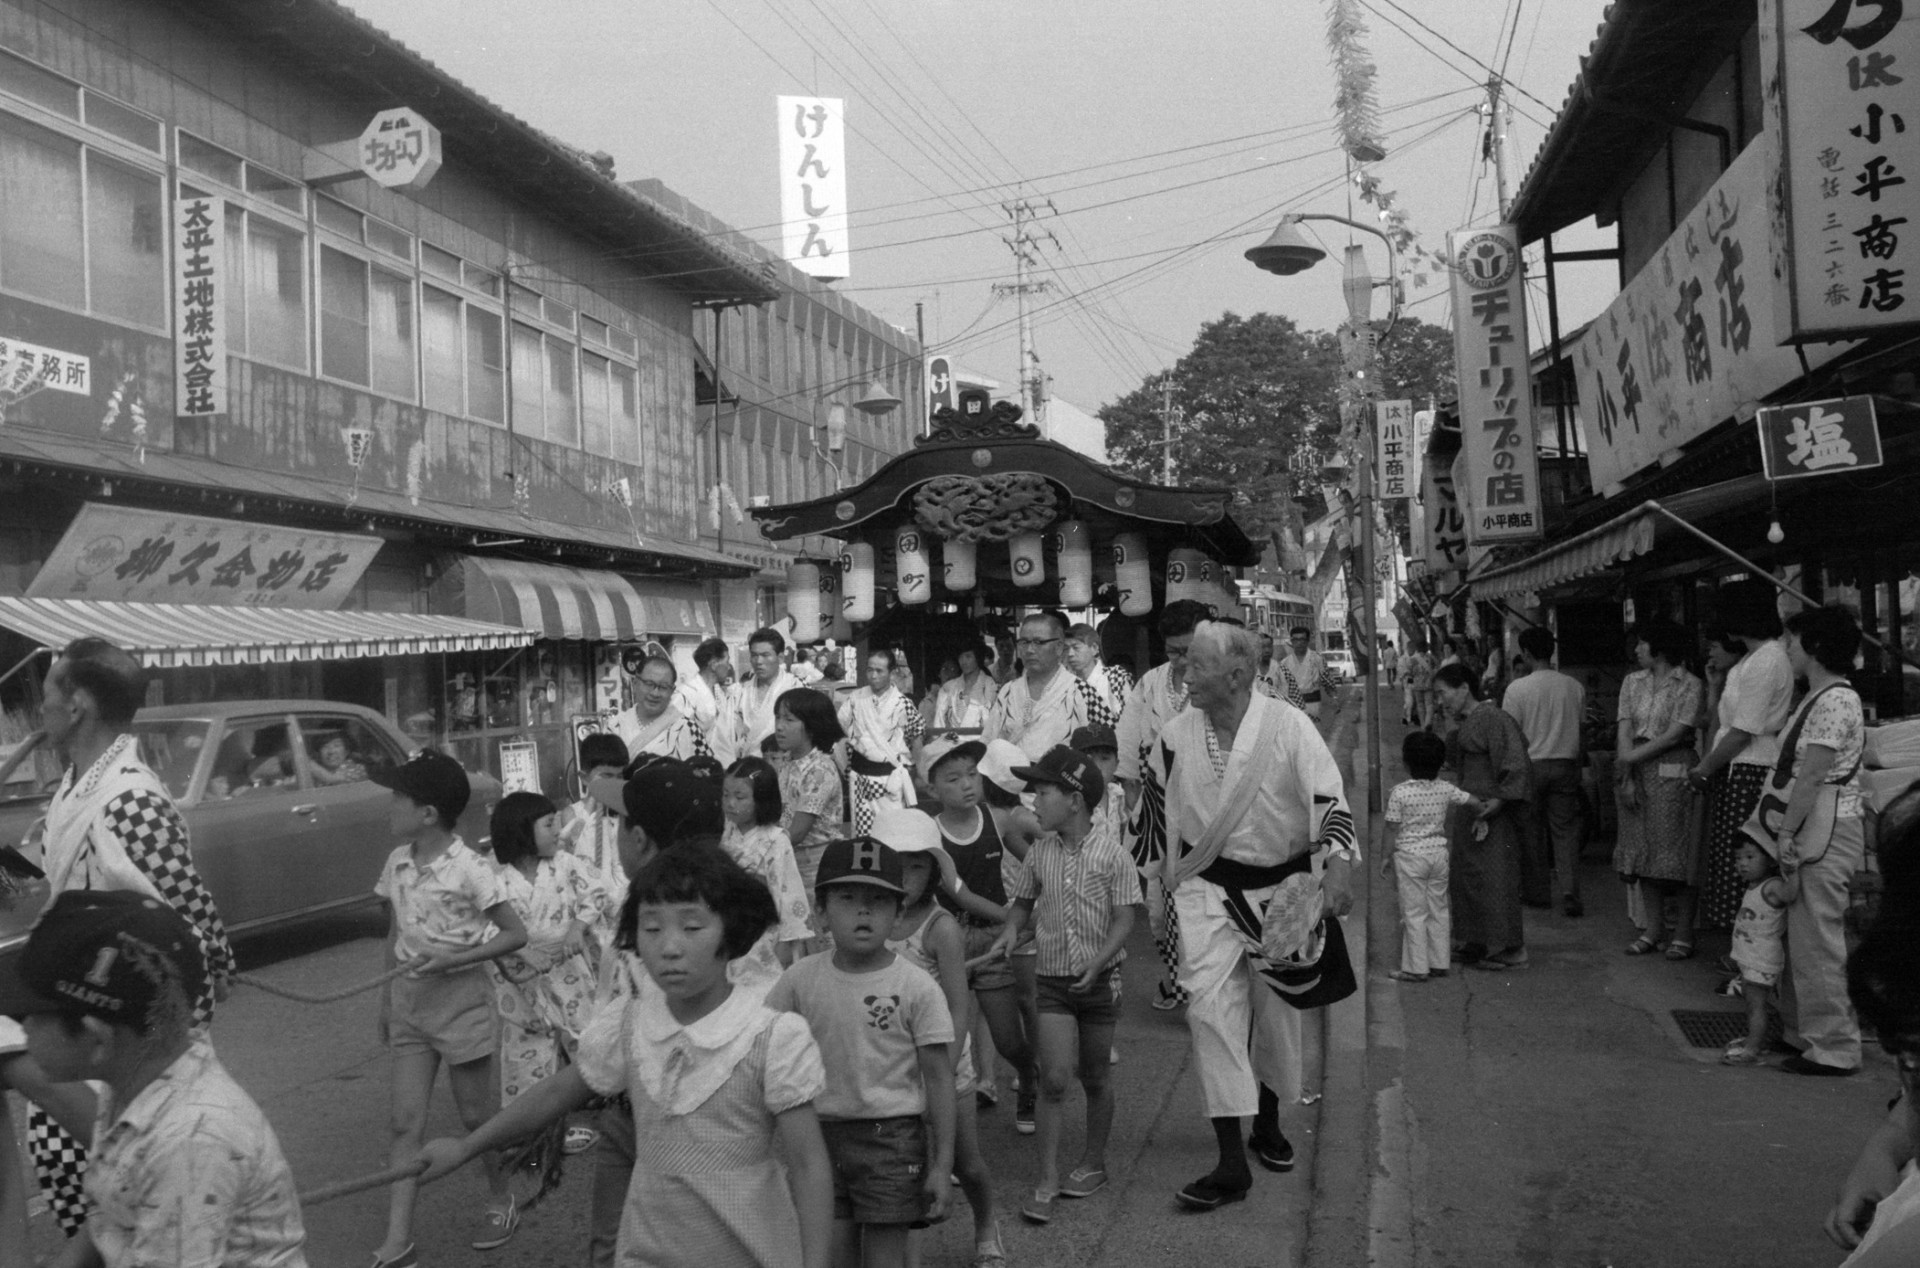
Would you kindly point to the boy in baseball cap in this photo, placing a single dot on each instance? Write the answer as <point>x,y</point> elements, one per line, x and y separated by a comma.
<point>1079,889</point>
<point>883,1027</point>
<point>184,1168</point>
<point>1097,741</point>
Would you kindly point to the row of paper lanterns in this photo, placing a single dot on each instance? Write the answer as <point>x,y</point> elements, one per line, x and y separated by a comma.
<point>814,592</point>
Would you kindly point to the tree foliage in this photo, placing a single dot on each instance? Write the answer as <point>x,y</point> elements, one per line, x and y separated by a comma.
<point>1257,398</point>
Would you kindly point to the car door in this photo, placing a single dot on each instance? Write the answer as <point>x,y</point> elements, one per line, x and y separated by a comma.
<point>254,826</point>
<point>340,750</point>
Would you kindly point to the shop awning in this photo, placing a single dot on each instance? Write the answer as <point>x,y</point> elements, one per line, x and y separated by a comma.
<point>1621,538</point>
<point>177,635</point>
<point>556,602</point>
<point>675,607</point>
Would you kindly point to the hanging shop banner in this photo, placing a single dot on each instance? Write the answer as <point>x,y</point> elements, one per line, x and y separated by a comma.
<point>1490,364</point>
<point>199,307</point>
<point>1443,544</point>
<point>26,368</point>
<point>1819,437</point>
<point>941,388</point>
<point>813,185</point>
<point>1689,343</point>
<point>1393,447</point>
<point>130,555</point>
<point>1422,432</point>
<point>1843,73</point>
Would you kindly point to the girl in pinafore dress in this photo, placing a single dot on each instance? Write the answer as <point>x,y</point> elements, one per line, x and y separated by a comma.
<point>750,800</point>
<point>928,935</point>
<point>715,1078</point>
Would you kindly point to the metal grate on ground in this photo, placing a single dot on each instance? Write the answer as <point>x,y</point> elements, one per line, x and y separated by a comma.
<point>1716,1028</point>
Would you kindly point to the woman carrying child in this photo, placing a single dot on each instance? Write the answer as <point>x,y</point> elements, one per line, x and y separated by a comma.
<point>545,990</point>
<point>750,800</point>
<point>715,1078</point>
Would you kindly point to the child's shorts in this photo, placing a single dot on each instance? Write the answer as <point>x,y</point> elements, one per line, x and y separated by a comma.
<point>1097,1007</point>
<point>994,975</point>
<point>451,1014</point>
<point>1757,975</point>
<point>879,1168</point>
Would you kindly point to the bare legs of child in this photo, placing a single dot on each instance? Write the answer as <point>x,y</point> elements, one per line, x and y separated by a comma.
<point>1070,1046</point>
<point>1007,1019</point>
<point>1749,1051</point>
<point>476,1096</point>
<point>977,1183</point>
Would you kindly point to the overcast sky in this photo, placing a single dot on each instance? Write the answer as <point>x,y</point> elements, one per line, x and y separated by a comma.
<point>1168,137</point>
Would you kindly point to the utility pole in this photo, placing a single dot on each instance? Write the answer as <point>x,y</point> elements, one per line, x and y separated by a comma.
<point>1499,123</point>
<point>1166,430</point>
<point>1025,246</point>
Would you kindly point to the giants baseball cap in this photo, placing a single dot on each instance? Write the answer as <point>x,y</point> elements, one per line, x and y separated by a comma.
<point>110,955</point>
<point>861,861</point>
<point>1093,736</point>
<point>1067,769</point>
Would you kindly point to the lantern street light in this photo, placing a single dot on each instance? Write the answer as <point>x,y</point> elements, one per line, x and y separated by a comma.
<point>1286,252</point>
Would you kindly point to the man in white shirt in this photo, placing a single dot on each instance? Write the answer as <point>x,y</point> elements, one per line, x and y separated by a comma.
<point>1109,682</point>
<point>748,716</point>
<point>702,694</point>
<point>962,705</point>
<point>884,731</point>
<point>1047,704</point>
<point>1549,705</point>
<point>1308,670</point>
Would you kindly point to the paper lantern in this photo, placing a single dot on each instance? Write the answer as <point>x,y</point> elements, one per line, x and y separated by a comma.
<point>833,621</point>
<point>1029,565</point>
<point>803,600</point>
<point>961,561</point>
<point>1075,548</point>
<point>1183,574</point>
<point>912,570</point>
<point>1133,574</point>
<point>1206,588</point>
<point>856,581</point>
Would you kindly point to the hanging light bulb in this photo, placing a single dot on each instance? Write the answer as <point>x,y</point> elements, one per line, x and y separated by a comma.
<point>1775,533</point>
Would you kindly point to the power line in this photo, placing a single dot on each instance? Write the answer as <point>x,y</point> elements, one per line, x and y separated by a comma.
<point>1396,6</point>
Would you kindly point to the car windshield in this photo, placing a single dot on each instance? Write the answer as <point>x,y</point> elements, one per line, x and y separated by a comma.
<point>172,749</point>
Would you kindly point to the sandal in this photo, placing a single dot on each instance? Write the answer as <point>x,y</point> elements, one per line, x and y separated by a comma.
<point>1738,1053</point>
<point>1642,946</point>
<point>1678,950</point>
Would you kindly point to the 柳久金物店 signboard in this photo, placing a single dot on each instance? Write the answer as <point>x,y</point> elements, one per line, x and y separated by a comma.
<point>129,555</point>
<point>1490,364</point>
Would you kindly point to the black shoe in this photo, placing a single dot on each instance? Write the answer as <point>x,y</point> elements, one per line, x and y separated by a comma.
<point>1209,1193</point>
<point>1273,1151</point>
<point>1471,952</point>
<point>1572,908</point>
<point>1801,1065</point>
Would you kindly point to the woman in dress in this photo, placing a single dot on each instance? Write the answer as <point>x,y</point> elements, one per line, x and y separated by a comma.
<point>1656,846</point>
<point>1826,736</point>
<point>1753,706</point>
<point>1489,754</point>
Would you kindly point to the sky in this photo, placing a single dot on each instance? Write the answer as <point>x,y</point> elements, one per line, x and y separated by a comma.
<point>1160,141</point>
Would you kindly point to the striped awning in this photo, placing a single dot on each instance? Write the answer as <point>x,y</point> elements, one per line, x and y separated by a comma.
<point>554,601</point>
<point>177,635</point>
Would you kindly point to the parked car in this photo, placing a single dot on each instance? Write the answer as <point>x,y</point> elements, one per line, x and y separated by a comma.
<point>285,819</point>
<point>1339,664</point>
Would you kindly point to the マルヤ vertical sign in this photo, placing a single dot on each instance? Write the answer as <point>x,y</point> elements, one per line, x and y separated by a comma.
<point>1490,363</point>
<point>1393,448</point>
<point>199,333</point>
<point>1851,155</point>
<point>813,185</point>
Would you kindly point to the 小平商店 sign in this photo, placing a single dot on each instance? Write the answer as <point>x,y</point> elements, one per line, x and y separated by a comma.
<point>1819,437</point>
<point>1844,79</point>
<point>126,554</point>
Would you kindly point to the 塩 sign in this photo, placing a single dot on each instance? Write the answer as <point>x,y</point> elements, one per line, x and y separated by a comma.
<point>1844,71</point>
<point>129,555</point>
<point>1819,437</point>
<point>200,305</point>
<point>813,185</point>
<point>1490,363</point>
<point>399,150</point>
<point>1393,448</point>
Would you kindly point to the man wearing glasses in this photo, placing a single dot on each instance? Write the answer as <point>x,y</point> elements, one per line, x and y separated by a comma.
<point>654,725</point>
<point>1047,704</point>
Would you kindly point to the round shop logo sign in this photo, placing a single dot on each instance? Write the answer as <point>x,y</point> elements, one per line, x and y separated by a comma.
<point>1023,567</point>
<point>1487,261</point>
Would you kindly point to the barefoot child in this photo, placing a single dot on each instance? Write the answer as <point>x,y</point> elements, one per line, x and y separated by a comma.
<point>750,800</point>
<point>884,1030</point>
<point>440,897</point>
<point>1757,941</point>
<point>715,1079</point>
<point>1079,890</point>
<point>926,935</point>
<point>1417,808</point>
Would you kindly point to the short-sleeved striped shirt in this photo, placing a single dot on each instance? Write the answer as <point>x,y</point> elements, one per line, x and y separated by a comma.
<point>1074,891</point>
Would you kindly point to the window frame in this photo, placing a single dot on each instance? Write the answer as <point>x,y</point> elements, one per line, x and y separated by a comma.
<point>371,260</point>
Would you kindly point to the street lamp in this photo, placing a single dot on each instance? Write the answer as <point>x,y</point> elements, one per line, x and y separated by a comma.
<point>1286,252</point>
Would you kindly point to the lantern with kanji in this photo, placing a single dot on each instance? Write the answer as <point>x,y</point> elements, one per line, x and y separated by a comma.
<point>856,581</point>
<point>803,600</point>
<point>1028,563</point>
<point>1075,548</point>
<point>960,560</point>
<point>912,571</point>
<point>1133,574</point>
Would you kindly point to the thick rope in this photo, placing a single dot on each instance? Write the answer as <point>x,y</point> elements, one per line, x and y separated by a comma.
<point>325,997</point>
<point>360,1184</point>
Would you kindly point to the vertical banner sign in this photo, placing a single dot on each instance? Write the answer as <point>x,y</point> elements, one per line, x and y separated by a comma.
<point>1851,162</point>
<point>1490,362</point>
<point>1819,437</point>
<point>1393,421</point>
<point>1422,432</point>
<point>199,335</point>
<point>940,385</point>
<point>813,185</point>
<point>1444,545</point>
